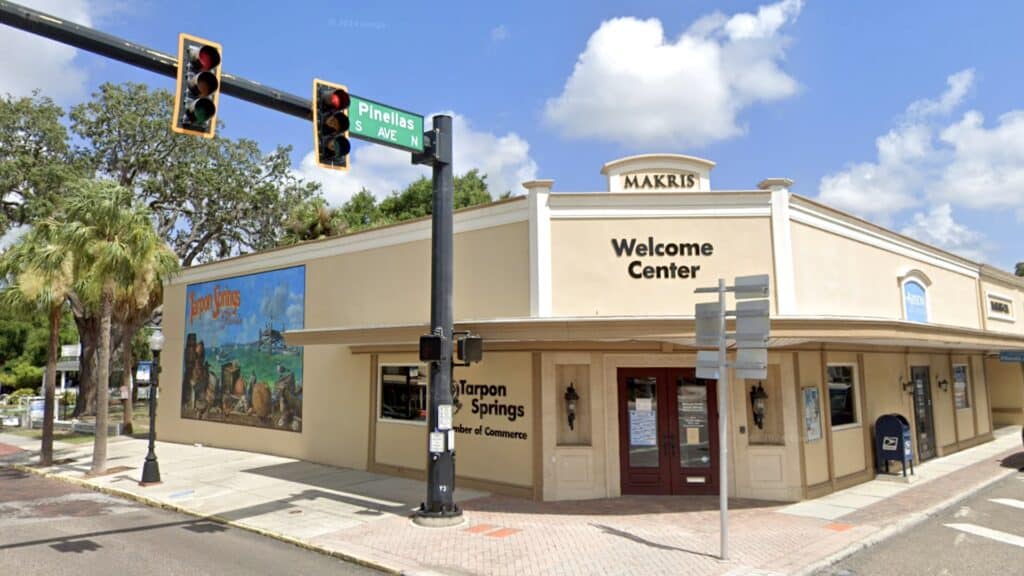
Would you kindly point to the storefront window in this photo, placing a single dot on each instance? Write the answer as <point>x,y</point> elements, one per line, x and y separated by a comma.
<point>403,393</point>
<point>960,396</point>
<point>842,395</point>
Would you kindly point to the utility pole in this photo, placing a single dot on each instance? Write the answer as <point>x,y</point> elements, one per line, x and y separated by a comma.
<point>440,508</point>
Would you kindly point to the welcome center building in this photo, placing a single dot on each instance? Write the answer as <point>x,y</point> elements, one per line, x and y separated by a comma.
<point>585,302</point>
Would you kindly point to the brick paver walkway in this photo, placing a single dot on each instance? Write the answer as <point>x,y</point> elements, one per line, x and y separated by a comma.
<point>365,516</point>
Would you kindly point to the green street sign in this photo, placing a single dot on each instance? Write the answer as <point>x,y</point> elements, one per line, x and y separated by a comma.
<point>383,124</point>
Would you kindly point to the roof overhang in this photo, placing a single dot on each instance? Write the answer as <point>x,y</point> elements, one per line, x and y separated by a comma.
<point>785,332</point>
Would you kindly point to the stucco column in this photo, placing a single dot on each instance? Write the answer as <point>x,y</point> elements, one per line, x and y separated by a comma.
<point>538,192</point>
<point>782,245</point>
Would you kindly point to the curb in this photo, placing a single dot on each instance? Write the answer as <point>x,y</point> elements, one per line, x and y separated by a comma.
<point>907,523</point>
<point>152,503</point>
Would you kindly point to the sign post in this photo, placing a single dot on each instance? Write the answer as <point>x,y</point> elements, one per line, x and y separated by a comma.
<point>751,338</point>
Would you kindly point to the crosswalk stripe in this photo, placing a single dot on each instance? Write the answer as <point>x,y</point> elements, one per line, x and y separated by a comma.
<point>989,533</point>
<point>1012,502</point>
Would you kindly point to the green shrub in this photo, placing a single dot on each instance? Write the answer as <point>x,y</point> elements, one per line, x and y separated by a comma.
<point>18,374</point>
<point>20,393</point>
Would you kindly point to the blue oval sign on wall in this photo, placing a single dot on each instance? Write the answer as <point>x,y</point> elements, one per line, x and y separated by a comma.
<point>915,302</point>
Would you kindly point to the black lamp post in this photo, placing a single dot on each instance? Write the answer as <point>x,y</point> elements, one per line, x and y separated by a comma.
<point>151,469</point>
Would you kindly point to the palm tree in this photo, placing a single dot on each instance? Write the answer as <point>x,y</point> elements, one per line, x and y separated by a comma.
<point>40,277</point>
<point>111,238</point>
<point>313,220</point>
<point>134,306</point>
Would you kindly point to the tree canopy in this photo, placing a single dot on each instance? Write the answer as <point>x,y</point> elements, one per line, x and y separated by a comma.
<point>35,158</point>
<point>210,198</point>
<point>314,219</point>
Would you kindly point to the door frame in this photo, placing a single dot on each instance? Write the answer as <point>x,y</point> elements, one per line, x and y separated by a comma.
<point>930,407</point>
<point>669,477</point>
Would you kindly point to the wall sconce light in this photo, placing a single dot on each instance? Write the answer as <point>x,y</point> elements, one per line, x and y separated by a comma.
<point>570,405</point>
<point>757,403</point>
<point>908,386</point>
<point>943,385</point>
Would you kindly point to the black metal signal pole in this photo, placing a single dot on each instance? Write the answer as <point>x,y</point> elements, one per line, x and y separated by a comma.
<point>440,508</point>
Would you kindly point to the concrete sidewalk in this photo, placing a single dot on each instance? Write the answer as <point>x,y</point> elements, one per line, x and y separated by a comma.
<point>365,517</point>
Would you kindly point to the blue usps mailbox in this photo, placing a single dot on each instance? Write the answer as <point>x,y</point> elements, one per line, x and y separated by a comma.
<point>892,442</point>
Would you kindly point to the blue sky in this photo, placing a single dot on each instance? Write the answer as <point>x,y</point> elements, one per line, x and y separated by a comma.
<point>907,113</point>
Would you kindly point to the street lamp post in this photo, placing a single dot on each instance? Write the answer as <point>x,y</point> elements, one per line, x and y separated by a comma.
<point>151,469</point>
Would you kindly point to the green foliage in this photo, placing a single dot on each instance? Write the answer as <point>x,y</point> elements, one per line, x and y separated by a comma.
<point>21,374</point>
<point>416,201</point>
<point>21,392</point>
<point>312,220</point>
<point>471,189</point>
<point>35,160</point>
<point>23,341</point>
<point>1019,271</point>
<point>361,211</point>
<point>210,198</point>
<point>315,219</point>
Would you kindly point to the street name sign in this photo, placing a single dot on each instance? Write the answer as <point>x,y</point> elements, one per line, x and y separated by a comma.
<point>1011,356</point>
<point>385,124</point>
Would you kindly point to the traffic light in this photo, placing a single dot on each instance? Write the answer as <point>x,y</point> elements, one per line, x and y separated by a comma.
<point>198,87</point>
<point>330,125</point>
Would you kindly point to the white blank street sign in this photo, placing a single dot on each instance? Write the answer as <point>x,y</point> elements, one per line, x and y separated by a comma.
<point>708,324</point>
<point>748,287</point>
<point>707,364</point>
<point>751,363</point>
<point>752,324</point>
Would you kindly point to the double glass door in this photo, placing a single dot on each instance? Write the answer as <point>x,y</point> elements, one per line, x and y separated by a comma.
<point>668,432</point>
<point>923,419</point>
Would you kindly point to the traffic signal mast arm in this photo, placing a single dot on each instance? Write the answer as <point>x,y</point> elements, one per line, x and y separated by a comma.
<point>85,38</point>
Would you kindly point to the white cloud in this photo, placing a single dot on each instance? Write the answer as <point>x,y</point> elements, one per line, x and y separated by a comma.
<point>504,159</point>
<point>632,85</point>
<point>938,228</point>
<point>959,84</point>
<point>907,161</point>
<point>881,189</point>
<point>932,160</point>
<point>32,62</point>
<point>987,168</point>
<point>377,168</point>
<point>499,33</point>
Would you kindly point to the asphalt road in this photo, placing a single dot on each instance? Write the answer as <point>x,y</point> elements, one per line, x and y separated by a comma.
<point>53,528</point>
<point>982,536</point>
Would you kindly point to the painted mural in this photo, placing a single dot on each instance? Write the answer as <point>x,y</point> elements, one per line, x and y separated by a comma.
<point>238,369</point>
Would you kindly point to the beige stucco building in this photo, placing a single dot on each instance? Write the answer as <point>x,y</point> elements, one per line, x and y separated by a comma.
<point>596,290</point>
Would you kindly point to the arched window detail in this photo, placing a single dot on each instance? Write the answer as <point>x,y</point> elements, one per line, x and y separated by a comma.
<point>913,293</point>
